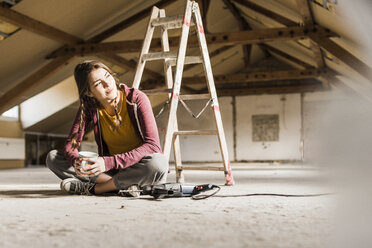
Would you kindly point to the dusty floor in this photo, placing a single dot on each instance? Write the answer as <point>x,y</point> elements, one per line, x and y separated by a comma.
<point>33,212</point>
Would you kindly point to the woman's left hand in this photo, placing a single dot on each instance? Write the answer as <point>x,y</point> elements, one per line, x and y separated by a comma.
<point>94,167</point>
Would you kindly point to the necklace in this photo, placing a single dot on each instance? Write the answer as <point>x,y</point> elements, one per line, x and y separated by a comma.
<point>118,120</point>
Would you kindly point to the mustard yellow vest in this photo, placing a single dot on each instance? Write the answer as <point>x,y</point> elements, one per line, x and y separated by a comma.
<point>125,138</point>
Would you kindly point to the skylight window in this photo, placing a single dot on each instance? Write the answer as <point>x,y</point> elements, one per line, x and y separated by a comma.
<point>11,115</point>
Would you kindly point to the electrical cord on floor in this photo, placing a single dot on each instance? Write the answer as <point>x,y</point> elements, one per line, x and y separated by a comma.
<point>217,189</point>
<point>272,194</point>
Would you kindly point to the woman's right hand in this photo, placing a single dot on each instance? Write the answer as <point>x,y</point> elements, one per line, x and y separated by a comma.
<point>77,167</point>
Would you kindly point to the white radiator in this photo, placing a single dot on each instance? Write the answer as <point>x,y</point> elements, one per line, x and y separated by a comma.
<point>12,148</point>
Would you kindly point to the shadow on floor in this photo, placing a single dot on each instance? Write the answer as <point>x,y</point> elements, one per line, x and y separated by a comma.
<point>31,193</point>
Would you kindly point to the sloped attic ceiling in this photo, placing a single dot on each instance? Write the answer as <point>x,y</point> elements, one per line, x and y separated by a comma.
<point>256,47</point>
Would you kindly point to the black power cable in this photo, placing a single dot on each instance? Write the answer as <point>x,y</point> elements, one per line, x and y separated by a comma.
<point>217,189</point>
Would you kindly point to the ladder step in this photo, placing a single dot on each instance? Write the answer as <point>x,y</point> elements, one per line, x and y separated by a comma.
<point>195,97</point>
<point>196,132</point>
<point>170,22</point>
<point>183,97</point>
<point>211,168</point>
<point>172,56</point>
<point>159,55</point>
<point>188,60</point>
<point>157,91</point>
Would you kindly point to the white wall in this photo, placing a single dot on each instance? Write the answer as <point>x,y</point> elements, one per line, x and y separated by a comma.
<point>288,145</point>
<point>12,148</point>
<point>201,148</point>
<point>48,102</point>
<point>206,148</point>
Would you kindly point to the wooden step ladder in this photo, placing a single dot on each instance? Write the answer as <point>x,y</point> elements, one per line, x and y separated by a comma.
<point>179,59</point>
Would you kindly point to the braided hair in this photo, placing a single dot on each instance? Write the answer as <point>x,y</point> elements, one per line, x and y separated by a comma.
<point>81,74</point>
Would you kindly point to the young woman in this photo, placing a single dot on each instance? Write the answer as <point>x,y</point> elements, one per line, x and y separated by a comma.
<point>125,132</point>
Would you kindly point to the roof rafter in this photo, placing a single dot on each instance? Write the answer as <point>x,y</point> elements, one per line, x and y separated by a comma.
<point>288,57</point>
<point>127,22</point>
<point>278,18</point>
<point>344,56</point>
<point>12,97</point>
<point>307,17</point>
<point>37,27</point>
<point>326,43</point>
<point>9,99</point>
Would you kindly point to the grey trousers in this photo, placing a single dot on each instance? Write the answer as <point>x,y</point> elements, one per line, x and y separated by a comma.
<point>151,170</point>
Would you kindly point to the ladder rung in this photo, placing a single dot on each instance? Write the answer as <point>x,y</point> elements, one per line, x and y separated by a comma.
<point>183,97</point>
<point>169,22</point>
<point>188,60</point>
<point>157,91</point>
<point>195,97</point>
<point>214,168</point>
<point>159,55</point>
<point>172,56</point>
<point>196,132</point>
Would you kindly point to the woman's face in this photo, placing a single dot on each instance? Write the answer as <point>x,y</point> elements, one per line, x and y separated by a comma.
<point>102,86</point>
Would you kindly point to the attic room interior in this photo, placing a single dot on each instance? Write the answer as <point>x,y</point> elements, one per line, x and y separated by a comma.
<point>285,85</point>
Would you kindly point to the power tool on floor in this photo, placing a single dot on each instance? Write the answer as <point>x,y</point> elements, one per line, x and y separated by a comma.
<point>167,190</point>
<point>178,190</point>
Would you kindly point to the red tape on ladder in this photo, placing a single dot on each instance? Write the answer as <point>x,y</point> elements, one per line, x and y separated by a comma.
<point>229,177</point>
<point>185,22</point>
<point>174,96</point>
<point>201,29</point>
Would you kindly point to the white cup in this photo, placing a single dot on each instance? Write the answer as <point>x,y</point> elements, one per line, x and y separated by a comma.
<point>86,154</point>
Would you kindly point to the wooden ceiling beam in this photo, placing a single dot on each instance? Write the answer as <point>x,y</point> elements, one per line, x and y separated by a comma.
<point>145,13</point>
<point>306,88</point>
<point>221,39</point>
<point>308,20</point>
<point>332,47</point>
<point>120,26</point>
<point>287,56</point>
<point>37,27</point>
<point>344,56</point>
<point>278,18</point>
<point>260,76</point>
<point>307,17</point>
<point>14,96</point>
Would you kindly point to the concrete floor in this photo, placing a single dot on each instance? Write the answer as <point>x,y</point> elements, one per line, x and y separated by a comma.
<point>34,213</point>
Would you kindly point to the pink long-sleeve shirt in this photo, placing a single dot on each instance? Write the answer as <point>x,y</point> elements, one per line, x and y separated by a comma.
<point>142,118</point>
